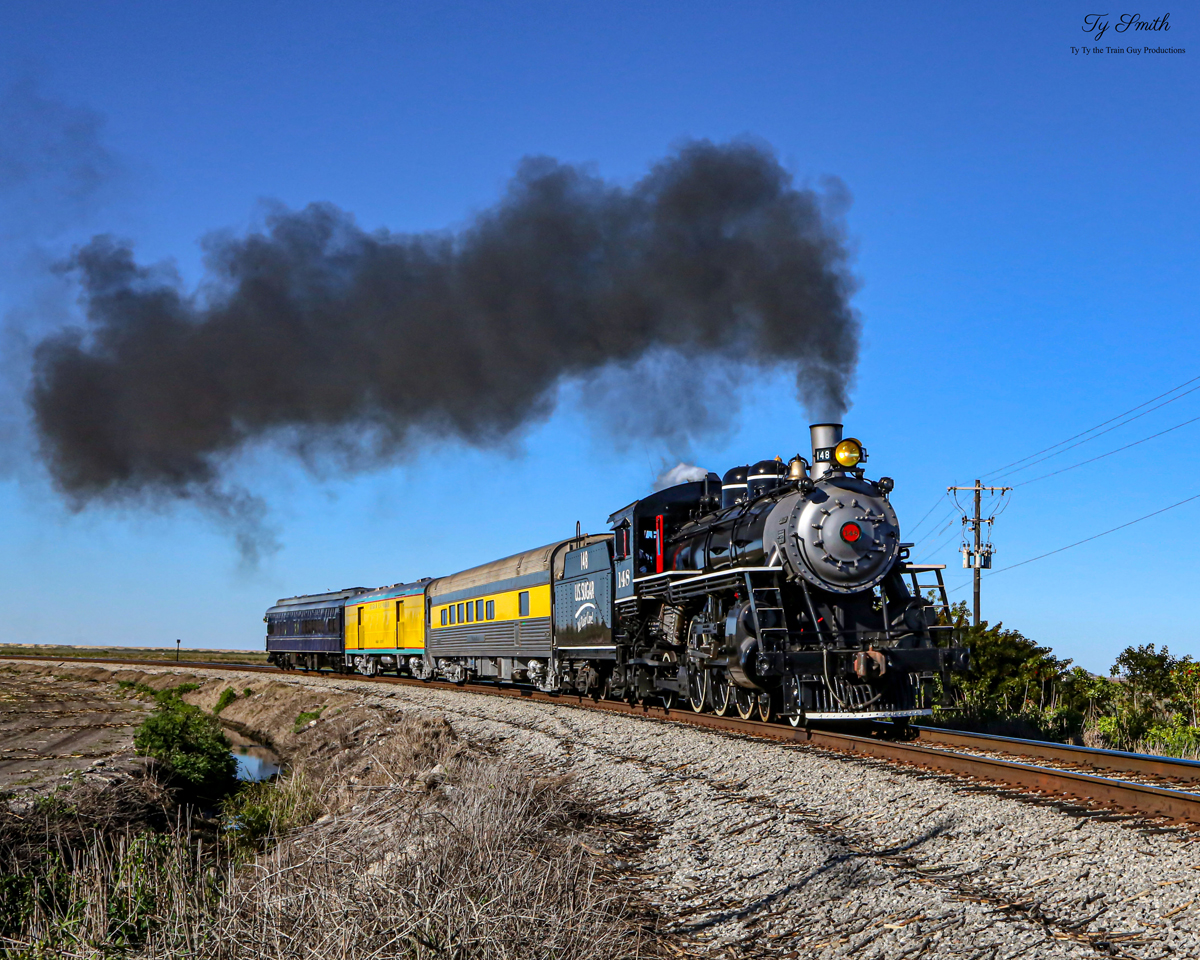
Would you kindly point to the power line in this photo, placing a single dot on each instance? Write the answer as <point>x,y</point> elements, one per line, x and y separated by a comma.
<point>1089,539</point>
<point>932,554</point>
<point>1096,427</point>
<point>1101,433</point>
<point>1068,445</point>
<point>937,530</point>
<point>1153,436</point>
<point>981,556</point>
<point>917,525</point>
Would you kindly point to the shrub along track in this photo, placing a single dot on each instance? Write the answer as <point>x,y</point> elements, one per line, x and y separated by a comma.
<point>775,849</point>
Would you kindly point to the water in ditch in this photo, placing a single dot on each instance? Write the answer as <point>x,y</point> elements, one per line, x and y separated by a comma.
<point>255,762</point>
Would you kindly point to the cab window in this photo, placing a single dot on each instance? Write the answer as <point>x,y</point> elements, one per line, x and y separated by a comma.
<point>621,542</point>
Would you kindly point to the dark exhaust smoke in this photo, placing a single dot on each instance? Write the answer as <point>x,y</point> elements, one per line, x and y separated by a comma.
<point>318,334</point>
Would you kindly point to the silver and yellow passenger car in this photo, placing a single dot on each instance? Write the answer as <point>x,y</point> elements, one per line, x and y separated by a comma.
<point>495,621</point>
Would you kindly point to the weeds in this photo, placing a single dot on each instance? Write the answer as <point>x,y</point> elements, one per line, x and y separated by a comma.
<point>305,718</point>
<point>227,697</point>
<point>160,696</point>
<point>108,896</point>
<point>260,813</point>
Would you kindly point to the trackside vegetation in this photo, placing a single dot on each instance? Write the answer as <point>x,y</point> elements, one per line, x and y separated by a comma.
<point>1149,702</point>
<point>458,854</point>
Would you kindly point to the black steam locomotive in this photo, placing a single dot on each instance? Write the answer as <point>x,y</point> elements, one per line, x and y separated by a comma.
<point>777,591</point>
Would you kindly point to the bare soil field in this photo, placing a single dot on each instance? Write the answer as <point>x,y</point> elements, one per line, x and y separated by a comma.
<point>52,725</point>
<point>51,651</point>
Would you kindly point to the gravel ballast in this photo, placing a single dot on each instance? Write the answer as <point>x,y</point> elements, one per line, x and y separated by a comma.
<point>769,849</point>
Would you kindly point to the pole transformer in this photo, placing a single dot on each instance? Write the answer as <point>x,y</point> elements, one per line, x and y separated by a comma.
<point>979,558</point>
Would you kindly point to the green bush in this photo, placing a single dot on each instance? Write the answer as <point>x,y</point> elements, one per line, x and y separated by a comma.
<point>1176,738</point>
<point>227,697</point>
<point>303,719</point>
<point>191,746</point>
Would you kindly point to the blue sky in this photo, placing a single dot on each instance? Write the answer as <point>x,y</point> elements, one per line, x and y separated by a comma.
<point>1025,221</point>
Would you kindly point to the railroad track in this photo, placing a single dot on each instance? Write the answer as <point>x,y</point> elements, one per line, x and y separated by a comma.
<point>1135,784</point>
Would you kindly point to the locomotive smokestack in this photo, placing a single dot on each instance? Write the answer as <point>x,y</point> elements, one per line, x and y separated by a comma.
<point>825,436</point>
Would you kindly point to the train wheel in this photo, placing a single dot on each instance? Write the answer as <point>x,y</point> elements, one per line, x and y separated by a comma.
<point>792,699</point>
<point>765,710</point>
<point>697,688</point>
<point>745,701</point>
<point>669,696</point>
<point>722,696</point>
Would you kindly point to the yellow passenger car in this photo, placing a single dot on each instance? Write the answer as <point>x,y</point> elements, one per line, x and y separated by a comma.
<point>385,629</point>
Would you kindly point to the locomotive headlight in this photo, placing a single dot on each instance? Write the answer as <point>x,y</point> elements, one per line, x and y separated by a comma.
<point>848,453</point>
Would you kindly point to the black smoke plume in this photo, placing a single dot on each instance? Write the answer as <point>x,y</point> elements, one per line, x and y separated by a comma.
<point>322,335</point>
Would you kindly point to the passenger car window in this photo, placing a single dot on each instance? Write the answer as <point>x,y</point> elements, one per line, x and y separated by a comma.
<point>443,616</point>
<point>478,609</point>
<point>491,609</point>
<point>470,613</point>
<point>460,613</point>
<point>523,603</point>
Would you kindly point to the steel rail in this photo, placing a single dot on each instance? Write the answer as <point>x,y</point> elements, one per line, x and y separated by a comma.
<point>1168,768</point>
<point>1133,798</point>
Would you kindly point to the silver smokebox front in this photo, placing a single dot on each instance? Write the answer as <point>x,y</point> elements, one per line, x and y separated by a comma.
<point>825,436</point>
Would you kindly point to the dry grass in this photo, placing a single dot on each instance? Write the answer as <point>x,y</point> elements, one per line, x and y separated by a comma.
<point>394,842</point>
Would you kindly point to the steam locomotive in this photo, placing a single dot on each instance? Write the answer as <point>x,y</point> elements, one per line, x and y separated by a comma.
<point>778,590</point>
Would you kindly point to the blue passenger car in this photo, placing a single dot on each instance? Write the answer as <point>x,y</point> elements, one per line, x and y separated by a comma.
<point>308,631</point>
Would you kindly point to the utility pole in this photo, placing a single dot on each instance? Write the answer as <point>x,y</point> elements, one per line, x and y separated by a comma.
<point>980,558</point>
